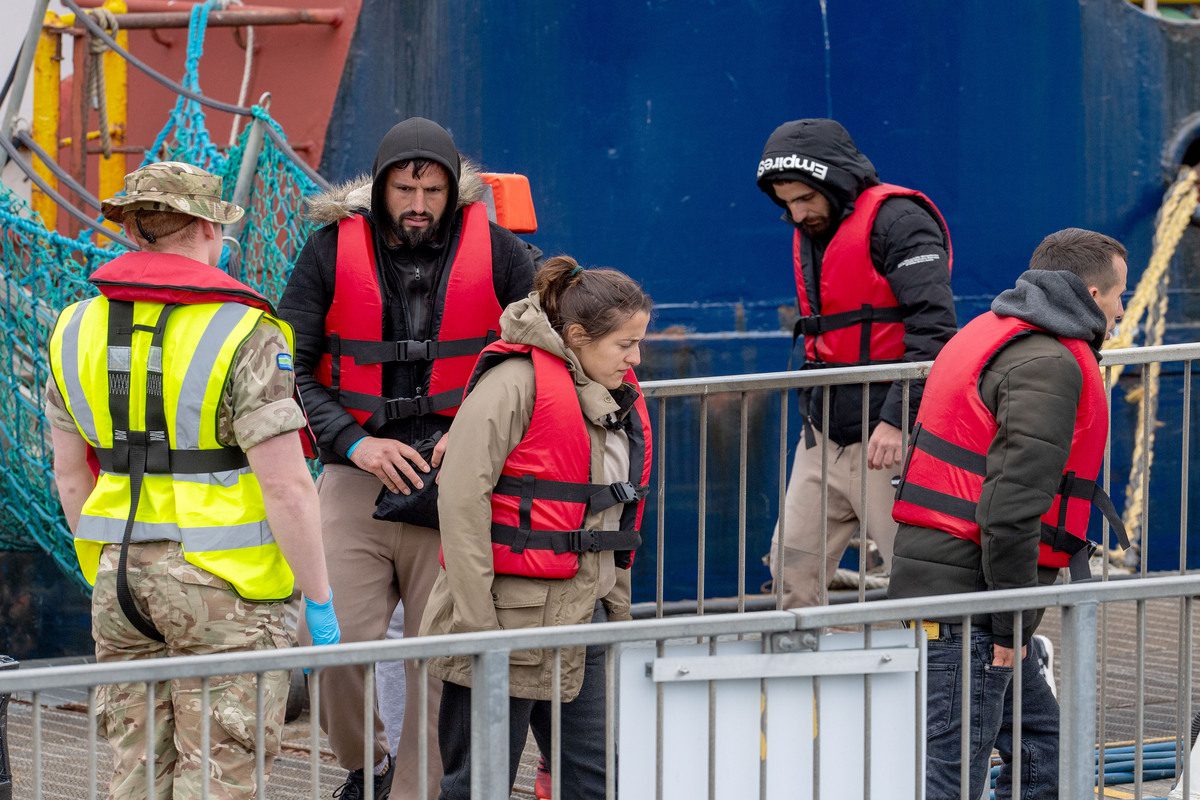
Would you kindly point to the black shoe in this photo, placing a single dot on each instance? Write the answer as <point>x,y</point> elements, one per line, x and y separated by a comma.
<point>353,788</point>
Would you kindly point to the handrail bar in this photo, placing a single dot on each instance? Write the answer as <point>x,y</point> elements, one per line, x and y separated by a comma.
<point>15,157</point>
<point>839,376</point>
<point>25,140</point>
<point>461,644</point>
<point>464,644</point>
<point>997,601</point>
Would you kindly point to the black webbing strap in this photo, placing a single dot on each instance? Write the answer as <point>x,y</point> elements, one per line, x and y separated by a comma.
<point>384,410</point>
<point>1094,493</point>
<point>365,351</point>
<point>187,462</point>
<point>817,324</point>
<point>334,343</point>
<point>581,541</point>
<point>949,452</point>
<point>937,501</point>
<point>598,496</point>
<point>138,451</point>
<point>1079,550</point>
<point>637,468</point>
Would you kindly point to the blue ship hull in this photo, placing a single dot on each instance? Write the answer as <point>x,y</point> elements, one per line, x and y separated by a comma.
<point>640,125</point>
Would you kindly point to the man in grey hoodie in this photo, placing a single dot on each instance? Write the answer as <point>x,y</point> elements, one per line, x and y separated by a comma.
<point>1021,387</point>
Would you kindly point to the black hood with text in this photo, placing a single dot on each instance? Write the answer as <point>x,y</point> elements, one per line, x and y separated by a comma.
<point>820,153</point>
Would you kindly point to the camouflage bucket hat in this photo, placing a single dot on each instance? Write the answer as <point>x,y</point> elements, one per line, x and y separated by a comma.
<point>172,186</point>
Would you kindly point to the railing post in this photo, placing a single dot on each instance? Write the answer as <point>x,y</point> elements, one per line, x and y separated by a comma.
<point>489,726</point>
<point>242,189</point>
<point>1077,700</point>
<point>5,772</point>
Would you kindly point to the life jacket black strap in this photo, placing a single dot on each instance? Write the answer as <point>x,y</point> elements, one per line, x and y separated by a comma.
<point>384,410</point>
<point>949,452</point>
<point>580,541</point>
<point>185,462</point>
<point>817,324</point>
<point>1094,493</point>
<point>365,351</point>
<point>598,496</point>
<point>934,500</point>
<point>135,452</point>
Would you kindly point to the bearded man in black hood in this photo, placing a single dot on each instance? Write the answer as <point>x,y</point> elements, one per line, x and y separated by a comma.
<point>872,268</point>
<point>392,300</point>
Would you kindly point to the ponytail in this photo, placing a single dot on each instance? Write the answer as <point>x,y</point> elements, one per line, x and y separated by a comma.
<point>598,300</point>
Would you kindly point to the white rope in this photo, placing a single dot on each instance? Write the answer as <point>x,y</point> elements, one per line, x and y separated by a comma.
<point>248,67</point>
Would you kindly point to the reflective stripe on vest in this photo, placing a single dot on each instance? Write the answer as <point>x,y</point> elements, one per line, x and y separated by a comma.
<point>544,495</point>
<point>943,478</point>
<point>856,318</point>
<point>217,514</point>
<point>466,318</point>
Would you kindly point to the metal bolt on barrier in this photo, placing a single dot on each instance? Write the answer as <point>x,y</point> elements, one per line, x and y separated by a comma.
<point>5,773</point>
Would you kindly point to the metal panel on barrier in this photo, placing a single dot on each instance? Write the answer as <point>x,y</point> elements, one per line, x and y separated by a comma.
<point>760,721</point>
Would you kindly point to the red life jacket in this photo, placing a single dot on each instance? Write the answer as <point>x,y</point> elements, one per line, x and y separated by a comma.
<point>544,493</point>
<point>466,313</point>
<point>174,279</point>
<point>943,478</point>
<point>860,321</point>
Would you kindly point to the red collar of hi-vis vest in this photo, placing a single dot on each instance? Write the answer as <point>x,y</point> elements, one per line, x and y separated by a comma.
<point>947,460</point>
<point>545,492</point>
<point>466,317</point>
<point>860,320</point>
<point>172,279</point>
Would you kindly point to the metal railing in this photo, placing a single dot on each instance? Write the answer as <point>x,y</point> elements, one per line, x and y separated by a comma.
<point>724,405</point>
<point>790,643</point>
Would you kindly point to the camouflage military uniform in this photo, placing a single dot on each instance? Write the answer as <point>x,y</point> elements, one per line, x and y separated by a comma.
<point>196,611</point>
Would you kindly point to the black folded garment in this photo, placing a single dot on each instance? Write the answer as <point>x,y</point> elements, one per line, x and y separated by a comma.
<point>419,507</point>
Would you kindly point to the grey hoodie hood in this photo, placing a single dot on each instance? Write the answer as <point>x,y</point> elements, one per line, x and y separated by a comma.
<point>1056,301</point>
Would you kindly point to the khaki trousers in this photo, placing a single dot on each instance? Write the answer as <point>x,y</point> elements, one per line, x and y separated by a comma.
<point>801,568</point>
<point>372,566</point>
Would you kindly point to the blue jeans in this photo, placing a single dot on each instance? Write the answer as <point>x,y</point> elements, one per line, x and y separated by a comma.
<point>991,723</point>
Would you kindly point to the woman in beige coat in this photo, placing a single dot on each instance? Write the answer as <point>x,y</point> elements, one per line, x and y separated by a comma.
<point>511,543</point>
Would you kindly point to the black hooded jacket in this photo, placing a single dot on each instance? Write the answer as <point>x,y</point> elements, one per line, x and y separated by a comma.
<point>908,247</point>
<point>408,279</point>
<point>1032,386</point>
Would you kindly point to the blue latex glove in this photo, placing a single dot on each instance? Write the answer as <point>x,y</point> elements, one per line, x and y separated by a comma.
<point>322,623</point>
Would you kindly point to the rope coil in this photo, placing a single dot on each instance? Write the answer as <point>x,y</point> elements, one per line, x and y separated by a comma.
<point>1149,303</point>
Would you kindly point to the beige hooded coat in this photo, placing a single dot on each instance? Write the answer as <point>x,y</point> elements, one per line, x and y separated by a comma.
<point>468,595</point>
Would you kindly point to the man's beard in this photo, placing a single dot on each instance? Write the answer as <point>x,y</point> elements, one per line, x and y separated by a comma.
<point>414,237</point>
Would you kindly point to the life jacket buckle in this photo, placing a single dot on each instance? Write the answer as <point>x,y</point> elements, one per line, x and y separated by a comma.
<point>414,351</point>
<point>809,326</point>
<point>625,492</point>
<point>583,541</point>
<point>405,407</point>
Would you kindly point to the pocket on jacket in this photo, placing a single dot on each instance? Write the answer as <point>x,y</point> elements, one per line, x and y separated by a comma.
<point>520,603</point>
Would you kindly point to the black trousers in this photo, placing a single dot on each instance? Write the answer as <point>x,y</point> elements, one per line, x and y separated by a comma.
<point>581,771</point>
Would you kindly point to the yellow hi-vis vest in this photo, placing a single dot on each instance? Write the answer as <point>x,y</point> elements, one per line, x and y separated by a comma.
<point>162,370</point>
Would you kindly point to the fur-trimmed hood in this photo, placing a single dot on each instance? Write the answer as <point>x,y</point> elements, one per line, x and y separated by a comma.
<point>344,199</point>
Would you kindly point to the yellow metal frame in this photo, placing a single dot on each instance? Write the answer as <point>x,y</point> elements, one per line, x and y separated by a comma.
<point>47,82</point>
<point>47,90</point>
